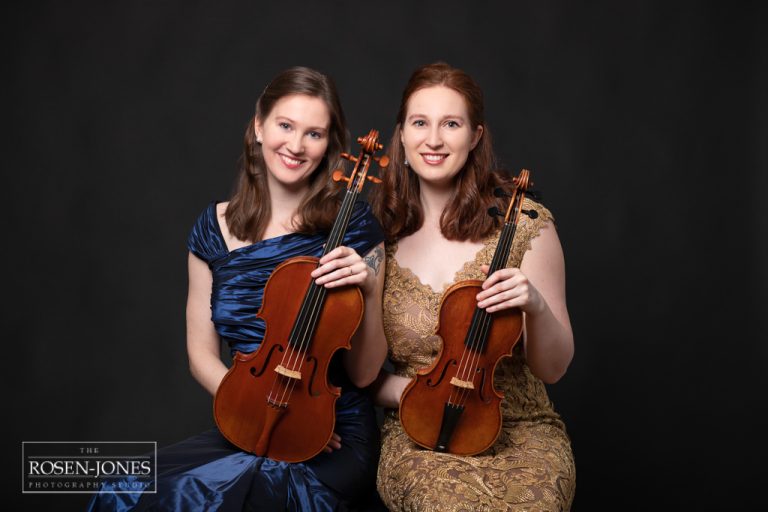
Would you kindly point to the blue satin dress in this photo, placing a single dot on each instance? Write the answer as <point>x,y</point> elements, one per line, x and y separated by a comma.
<point>206,472</point>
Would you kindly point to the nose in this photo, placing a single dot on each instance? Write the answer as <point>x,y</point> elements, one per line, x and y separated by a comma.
<point>434,140</point>
<point>295,143</point>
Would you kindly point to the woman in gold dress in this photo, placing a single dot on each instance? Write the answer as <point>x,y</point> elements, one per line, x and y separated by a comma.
<point>433,205</point>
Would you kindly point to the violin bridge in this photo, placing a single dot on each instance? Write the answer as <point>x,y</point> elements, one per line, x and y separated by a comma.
<point>462,383</point>
<point>291,374</point>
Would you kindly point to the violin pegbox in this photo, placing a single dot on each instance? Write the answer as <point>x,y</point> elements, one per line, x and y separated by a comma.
<point>521,183</point>
<point>362,161</point>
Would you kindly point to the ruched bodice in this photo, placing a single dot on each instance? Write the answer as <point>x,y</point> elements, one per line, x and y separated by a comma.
<point>239,275</point>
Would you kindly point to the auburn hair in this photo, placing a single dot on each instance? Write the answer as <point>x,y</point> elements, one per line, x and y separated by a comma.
<point>396,201</point>
<point>249,208</point>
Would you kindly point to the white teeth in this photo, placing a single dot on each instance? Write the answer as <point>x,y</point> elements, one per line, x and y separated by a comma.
<point>290,161</point>
<point>433,158</point>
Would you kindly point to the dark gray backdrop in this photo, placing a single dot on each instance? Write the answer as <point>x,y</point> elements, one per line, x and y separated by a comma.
<point>644,123</point>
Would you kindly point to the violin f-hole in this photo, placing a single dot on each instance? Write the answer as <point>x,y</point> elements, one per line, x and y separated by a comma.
<point>313,361</point>
<point>442,374</point>
<point>257,373</point>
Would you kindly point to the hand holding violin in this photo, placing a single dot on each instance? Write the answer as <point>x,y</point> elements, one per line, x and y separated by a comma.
<point>509,288</point>
<point>344,266</point>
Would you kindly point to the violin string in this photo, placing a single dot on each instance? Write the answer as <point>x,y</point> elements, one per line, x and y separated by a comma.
<point>287,360</point>
<point>484,318</point>
<point>476,354</point>
<point>316,301</point>
<point>461,370</point>
<point>464,367</point>
<point>317,293</point>
<point>334,240</point>
<point>471,349</point>
<point>291,349</point>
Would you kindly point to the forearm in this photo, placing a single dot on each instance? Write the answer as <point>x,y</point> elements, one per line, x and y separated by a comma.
<point>369,346</point>
<point>207,369</point>
<point>388,388</point>
<point>548,345</point>
<point>203,345</point>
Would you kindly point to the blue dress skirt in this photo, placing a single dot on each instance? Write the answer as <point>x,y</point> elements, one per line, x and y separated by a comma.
<point>206,472</point>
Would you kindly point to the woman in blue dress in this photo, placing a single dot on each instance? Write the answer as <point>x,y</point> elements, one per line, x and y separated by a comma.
<point>283,206</point>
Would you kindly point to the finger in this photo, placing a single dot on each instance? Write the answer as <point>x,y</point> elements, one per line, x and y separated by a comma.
<point>507,304</point>
<point>334,443</point>
<point>355,274</point>
<point>499,275</point>
<point>498,298</point>
<point>336,263</point>
<point>339,252</point>
<point>501,285</point>
<point>498,282</point>
<point>490,281</point>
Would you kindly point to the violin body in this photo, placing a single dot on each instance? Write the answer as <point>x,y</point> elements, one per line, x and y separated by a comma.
<point>423,407</point>
<point>261,406</point>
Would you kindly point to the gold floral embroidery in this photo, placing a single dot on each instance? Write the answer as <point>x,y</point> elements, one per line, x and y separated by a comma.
<point>530,467</point>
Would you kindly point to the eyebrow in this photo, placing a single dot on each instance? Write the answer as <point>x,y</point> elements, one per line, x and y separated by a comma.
<point>316,128</point>
<point>449,116</point>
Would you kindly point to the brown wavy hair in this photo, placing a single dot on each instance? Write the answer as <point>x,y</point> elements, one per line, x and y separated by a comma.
<point>249,209</point>
<point>396,201</point>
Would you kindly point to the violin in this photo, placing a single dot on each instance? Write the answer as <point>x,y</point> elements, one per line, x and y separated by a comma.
<point>277,402</point>
<point>453,405</point>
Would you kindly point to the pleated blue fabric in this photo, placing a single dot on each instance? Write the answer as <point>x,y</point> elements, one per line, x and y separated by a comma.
<point>206,472</point>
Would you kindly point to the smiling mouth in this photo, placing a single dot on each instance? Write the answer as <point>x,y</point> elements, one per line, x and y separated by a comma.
<point>434,158</point>
<point>290,162</point>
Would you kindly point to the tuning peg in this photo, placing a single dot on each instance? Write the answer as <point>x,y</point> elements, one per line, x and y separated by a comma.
<point>373,179</point>
<point>499,192</point>
<point>338,175</point>
<point>349,157</point>
<point>531,213</point>
<point>494,211</point>
<point>382,160</point>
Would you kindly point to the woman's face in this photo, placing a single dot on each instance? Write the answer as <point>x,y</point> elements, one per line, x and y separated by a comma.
<point>294,139</point>
<point>436,134</point>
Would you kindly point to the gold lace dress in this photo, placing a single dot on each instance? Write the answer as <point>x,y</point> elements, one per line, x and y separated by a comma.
<point>530,467</point>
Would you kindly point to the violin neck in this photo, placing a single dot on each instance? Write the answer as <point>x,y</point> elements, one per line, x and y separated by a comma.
<point>306,322</point>
<point>501,255</point>
<point>481,319</point>
<point>339,229</point>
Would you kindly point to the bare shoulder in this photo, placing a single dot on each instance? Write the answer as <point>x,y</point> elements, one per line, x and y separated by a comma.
<point>221,209</point>
<point>546,244</point>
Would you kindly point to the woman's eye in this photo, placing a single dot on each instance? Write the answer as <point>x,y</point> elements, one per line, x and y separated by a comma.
<point>316,135</point>
<point>452,124</point>
<point>284,125</point>
<point>419,122</point>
